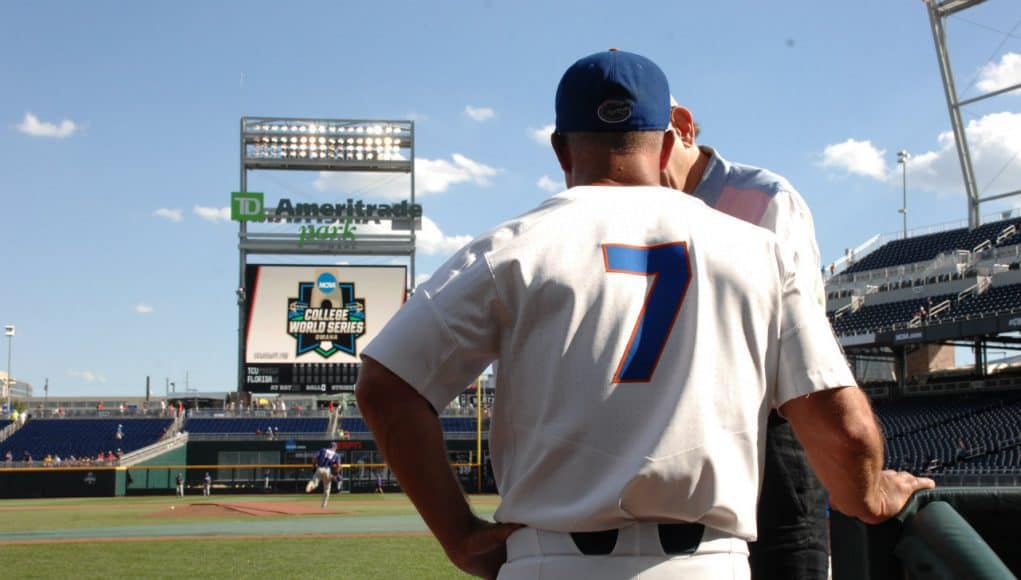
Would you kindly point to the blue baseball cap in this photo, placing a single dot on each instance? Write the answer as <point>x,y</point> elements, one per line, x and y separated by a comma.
<point>613,91</point>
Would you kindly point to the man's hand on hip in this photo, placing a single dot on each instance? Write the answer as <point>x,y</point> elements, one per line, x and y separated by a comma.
<point>483,549</point>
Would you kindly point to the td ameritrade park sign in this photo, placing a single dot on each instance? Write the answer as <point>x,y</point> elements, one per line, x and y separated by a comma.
<point>250,207</point>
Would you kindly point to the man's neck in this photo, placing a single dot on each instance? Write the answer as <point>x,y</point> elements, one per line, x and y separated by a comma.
<point>616,171</point>
<point>696,172</point>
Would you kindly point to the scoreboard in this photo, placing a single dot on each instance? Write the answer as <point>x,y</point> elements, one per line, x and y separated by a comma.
<point>306,325</point>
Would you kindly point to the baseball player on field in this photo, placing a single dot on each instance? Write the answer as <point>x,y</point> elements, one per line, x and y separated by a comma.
<point>327,465</point>
<point>642,339</point>
<point>793,531</point>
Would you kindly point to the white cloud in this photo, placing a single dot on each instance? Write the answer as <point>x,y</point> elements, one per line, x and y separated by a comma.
<point>31,125</point>
<point>432,176</point>
<point>212,214</point>
<point>999,75</point>
<point>994,142</point>
<point>142,308</point>
<point>541,135</point>
<point>547,184</point>
<point>429,240</point>
<point>479,113</point>
<point>87,376</point>
<point>173,215</point>
<point>421,278</point>
<point>855,157</point>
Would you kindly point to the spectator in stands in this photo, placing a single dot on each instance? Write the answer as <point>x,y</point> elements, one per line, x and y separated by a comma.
<point>8,457</point>
<point>26,456</point>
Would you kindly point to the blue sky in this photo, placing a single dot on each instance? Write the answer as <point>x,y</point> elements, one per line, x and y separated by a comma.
<point>119,137</point>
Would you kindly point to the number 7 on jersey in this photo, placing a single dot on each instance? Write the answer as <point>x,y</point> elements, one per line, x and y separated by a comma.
<point>670,268</point>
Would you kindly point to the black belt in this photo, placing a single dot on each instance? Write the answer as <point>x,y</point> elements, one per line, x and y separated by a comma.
<point>674,538</point>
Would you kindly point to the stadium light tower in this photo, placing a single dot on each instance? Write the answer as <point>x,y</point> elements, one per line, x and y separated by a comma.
<point>902,158</point>
<point>9,331</point>
<point>323,145</point>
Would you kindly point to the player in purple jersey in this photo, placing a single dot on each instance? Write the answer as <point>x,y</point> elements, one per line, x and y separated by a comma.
<point>327,465</point>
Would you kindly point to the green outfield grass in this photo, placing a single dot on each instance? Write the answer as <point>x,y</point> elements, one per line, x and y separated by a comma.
<point>293,556</point>
<point>266,559</point>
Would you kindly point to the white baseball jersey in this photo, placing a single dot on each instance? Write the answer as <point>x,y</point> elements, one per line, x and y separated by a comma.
<point>642,339</point>
<point>763,198</point>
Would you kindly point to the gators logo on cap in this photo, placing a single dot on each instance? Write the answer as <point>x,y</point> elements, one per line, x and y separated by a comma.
<point>612,111</point>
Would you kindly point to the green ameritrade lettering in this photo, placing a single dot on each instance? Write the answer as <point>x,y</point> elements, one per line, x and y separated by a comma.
<point>357,210</point>
<point>345,233</point>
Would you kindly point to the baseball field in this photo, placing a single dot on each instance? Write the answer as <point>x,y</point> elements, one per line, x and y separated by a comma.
<point>359,536</point>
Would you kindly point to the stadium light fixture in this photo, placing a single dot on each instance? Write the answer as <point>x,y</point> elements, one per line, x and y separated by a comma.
<point>9,332</point>
<point>902,158</point>
<point>326,145</point>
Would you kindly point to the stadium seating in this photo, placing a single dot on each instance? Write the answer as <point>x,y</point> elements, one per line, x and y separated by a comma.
<point>937,435</point>
<point>251,425</point>
<point>871,318</point>
<point>994,300</point>
<point>82,437</point>
<point>876,317</point>
<point>927,247</point>
<point>450,424</point>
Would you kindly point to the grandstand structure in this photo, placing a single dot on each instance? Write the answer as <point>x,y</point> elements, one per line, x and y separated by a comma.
<point>904,309</point>
<point>133,446</point>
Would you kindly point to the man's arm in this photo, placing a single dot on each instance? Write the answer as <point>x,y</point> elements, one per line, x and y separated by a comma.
<point>410,436</point>
<point>844,445</point>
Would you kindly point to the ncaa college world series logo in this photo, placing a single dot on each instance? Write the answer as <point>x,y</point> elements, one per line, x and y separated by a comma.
<point>326,317</point>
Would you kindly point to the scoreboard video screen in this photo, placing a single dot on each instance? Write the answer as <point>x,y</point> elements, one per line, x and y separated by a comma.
<point>306,325</point>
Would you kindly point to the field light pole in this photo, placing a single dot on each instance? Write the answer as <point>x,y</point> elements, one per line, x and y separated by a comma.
<point>902,158</point>
<point>9,331</point>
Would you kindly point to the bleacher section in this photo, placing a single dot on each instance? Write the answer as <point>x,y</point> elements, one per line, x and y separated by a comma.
<point>249,426</point>
<point>449,424</point>
<point>874,317</point>
<point>82,437</point>
<point>993,300</point>
<point>927,247</point>
<point>936,435</point>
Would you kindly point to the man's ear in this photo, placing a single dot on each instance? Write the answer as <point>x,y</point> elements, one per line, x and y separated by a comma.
<point>684,124</point>
<point>559,143</point>
<point>669,141</point>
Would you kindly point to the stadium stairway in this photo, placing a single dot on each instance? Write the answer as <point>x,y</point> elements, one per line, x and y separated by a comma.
<point>139,456</point>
